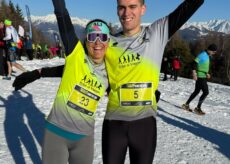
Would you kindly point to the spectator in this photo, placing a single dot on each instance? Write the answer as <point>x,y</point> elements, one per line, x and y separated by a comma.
<point>176,65</point>
<point>19,48</point>
<point>3,64</point>
<point>11,39</point>
<point>165,67</point>
<point>29,47</point>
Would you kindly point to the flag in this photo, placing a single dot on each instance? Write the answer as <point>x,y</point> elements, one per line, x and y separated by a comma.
<point>29,21</point>
<point>21,31</point>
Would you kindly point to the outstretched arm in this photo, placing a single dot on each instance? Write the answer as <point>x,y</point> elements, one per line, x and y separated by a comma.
<point>66,28</point>
<point>52,71</point>
<point>28,77</point>
<point>183,12</point>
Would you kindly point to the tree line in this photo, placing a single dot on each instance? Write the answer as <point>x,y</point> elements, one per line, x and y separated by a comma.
<point>187,50</point>
<point>15,14</point>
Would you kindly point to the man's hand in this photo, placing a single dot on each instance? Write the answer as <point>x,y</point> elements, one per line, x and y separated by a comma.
<point>208,76</point>
<point>194,74</point>
<point>25,78</point>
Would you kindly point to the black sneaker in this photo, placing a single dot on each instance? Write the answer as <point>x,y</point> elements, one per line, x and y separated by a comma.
<point>186,107</point>
<point>6,78</point>
<point>198,111</point>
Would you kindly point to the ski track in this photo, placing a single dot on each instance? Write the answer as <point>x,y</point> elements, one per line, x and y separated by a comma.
<point>183,137</point>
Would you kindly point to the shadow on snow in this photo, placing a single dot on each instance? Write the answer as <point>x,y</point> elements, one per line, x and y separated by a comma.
<point>19,131</point>
<point>222,140</point>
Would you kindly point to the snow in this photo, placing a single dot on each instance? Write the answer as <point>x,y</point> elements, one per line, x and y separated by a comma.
<point>212,25</point>
<point>183,137</point>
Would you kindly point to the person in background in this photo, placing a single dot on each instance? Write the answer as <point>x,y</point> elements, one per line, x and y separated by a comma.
<point>38,51</point>
<point>165,67</point>
<point>20,47</point>
<point>59,50</point>
<point>45,51</point>
<point>29,47</point>
<point>53,52</point>
<point>200,73</point>
<point>11,38</point>
<point>176,65</point>
<point>3,64</point>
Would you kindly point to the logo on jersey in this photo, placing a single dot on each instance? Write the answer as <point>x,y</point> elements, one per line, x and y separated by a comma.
<point>91,83</point>
<point>129,59</point>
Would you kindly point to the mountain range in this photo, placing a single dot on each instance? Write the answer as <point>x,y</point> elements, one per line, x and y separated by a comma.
<point>189,31</point>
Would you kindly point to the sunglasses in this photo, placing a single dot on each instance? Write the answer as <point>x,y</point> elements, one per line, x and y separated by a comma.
<point>92,37</point>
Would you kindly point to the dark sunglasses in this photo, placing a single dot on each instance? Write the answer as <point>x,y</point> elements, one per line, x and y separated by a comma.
<point>92,37</point>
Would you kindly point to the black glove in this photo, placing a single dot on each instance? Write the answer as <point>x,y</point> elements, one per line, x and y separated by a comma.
<point>25,78</point>
<point>158,95</point>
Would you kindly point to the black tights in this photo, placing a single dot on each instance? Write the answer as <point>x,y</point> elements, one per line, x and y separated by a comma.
<point>139,136</point>
<point>201,84</point>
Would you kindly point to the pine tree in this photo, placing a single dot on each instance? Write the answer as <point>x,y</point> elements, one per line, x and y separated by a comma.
<point>3,10</point>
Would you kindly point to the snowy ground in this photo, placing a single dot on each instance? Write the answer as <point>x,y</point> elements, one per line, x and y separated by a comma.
<point>183,138</point>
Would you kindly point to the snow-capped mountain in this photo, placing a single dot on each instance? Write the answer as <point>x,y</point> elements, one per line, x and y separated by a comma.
<point>189,31</point>
<point>48,24</point>
<point>222,26</point>
<point>193,30</point>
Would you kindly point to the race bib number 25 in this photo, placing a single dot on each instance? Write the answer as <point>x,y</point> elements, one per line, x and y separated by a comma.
<point>136,94</point>
<point>83,100</point>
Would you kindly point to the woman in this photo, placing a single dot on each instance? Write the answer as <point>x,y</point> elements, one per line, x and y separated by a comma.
<point>69,132</point>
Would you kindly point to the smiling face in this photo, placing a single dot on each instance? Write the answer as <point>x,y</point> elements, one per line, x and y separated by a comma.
<point>96,50</point>
<point>129,13</point>
<point>97,40</point>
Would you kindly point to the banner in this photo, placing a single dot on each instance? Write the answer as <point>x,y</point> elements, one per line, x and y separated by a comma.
<point>29,21</point>
<point>56,38</point>
<point>21,31</point>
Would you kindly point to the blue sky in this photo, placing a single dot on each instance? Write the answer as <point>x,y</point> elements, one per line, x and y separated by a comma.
<point>106,9</point>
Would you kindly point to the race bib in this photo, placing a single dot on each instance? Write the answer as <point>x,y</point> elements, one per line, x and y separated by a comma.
<point>83,100</point>
<point>136,94</point>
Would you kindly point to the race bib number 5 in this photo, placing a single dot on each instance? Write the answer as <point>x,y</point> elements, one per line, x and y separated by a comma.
<point>136,94</point>
<point>83,100</point>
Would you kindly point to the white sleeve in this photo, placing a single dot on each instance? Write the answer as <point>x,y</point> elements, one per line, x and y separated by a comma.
<point>8,34</point>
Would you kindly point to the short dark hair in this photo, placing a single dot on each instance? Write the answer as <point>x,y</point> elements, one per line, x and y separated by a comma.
<point>141,1</point>
<point>212,47</point>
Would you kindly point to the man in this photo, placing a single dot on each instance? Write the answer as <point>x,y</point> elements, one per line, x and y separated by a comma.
<point>2,51</point>
<point>165,67</point>
<point>176,64</point>
<point>133,71</point>
<point>11,39</point>
<point>201,75</point>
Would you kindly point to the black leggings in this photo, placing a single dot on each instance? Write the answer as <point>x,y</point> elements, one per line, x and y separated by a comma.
<point>201,84</point>
<point>2,63</point>
<point>139,136</point>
